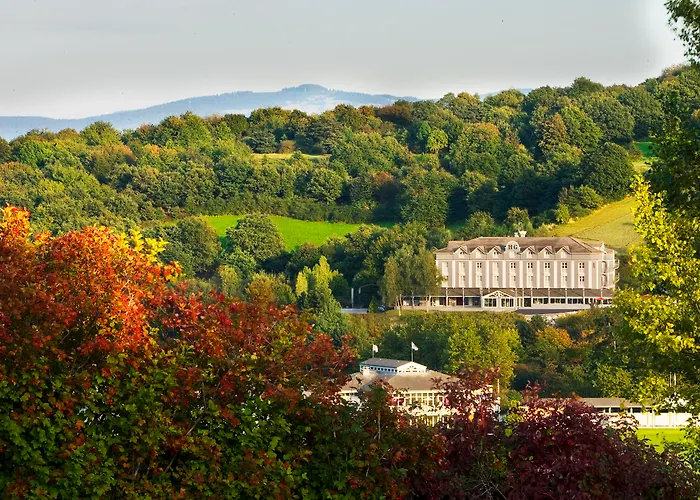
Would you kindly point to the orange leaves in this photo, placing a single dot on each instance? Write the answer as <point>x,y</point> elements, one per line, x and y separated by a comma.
<point>82,292</point>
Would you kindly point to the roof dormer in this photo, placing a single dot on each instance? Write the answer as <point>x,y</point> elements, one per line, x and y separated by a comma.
<point>461,252</point>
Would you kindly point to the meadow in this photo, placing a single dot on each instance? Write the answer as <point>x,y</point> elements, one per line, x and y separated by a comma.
<point>612,224</point>
<point>295,232</point>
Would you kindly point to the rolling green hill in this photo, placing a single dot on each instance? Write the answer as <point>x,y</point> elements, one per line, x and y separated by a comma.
<point>613,224</point>
<point>295,232</point>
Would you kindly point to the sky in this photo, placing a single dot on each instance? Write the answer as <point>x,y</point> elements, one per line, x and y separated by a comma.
<point>76,58</point>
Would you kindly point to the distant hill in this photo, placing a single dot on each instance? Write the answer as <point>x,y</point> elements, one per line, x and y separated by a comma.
<point>489,94</point>
<point>308,98</point>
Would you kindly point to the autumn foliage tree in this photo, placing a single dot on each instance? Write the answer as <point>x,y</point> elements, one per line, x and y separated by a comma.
<point>114,381</point>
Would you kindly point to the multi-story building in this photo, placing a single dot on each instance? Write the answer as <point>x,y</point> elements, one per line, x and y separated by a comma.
<point>524,272</point>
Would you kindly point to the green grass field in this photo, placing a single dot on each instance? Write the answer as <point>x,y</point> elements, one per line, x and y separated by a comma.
<point>295,232</point>
<point>641,166</point>
<point>657,436</point>
<point>645,148</point>
<point>612,224</point>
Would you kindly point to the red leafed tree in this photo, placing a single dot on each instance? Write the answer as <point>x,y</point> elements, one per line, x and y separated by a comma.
<point>113,380</point>
<point>565,449</point>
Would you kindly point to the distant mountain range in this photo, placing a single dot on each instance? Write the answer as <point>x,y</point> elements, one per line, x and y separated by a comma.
<point>308,98</point>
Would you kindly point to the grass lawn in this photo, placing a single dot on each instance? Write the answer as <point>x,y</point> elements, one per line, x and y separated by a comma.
<point>612,224</point>
<point>658,436</point>
<point>641,166</point>
<point>645,148</point>
<point>295,232</point>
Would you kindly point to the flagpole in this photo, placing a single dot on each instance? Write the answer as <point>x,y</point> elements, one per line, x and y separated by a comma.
<point>411,354</point>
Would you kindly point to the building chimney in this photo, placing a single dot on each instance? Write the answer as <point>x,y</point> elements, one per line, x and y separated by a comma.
<point>522,234</point>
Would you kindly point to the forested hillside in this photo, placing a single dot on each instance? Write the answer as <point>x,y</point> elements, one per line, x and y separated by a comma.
<point>554,153</point>
<point>481,167</point>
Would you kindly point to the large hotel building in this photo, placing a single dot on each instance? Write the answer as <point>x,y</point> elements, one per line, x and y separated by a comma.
<point>524,272</point>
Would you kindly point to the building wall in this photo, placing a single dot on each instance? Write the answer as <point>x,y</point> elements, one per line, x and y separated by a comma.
<point>513,269</point>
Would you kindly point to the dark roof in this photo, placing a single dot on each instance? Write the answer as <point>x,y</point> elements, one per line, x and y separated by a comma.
<point>424,381</point>
<point>610,403</point>
<point>530,292</point>
<point>574,245</point>
<point>386,363</point>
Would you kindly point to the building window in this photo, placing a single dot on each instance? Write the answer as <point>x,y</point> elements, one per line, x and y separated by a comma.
<point>496,281</point>
<point>564,265</point>
<point>530,265</point>
<point>495,255</point>
<point>547,281</point>
<point>507,302</point>
<point>582,278</point>
<point>490,302</point>
<point>529,281</point>
<point>564,279</point>
<point>581,266</point>
<point>513,280</point>
<point>513,265</point>
<point>478,265</point>
<point>479,281</point>
<point>547,266</point>
<point>462,281</point>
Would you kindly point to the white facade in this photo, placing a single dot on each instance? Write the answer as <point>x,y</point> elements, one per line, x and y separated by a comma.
<point>522,272</point>
<point>414,387</point>
<point>413,383</point>
<point>646,417</point>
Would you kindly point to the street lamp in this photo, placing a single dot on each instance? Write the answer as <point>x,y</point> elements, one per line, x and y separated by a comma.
<point>359,292</point>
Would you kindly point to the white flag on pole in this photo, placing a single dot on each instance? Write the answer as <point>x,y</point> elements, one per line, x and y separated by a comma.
<point>375,349</point>
<point>414,346</point>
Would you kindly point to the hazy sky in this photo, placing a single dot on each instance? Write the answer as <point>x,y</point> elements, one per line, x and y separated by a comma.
<point>73,58</point>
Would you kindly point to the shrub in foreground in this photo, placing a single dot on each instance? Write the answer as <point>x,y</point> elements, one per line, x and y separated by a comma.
<point>116,382</point>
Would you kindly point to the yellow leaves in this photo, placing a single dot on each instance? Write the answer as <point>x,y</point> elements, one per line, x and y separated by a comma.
<point>148,247</point>
<point>14,224</point>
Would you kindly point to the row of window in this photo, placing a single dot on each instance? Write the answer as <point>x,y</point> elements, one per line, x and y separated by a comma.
<point>514,265</point>
<point>529,254</point>
<point>530,280</point>
<point>420,399</point>
<point>508,302</point>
